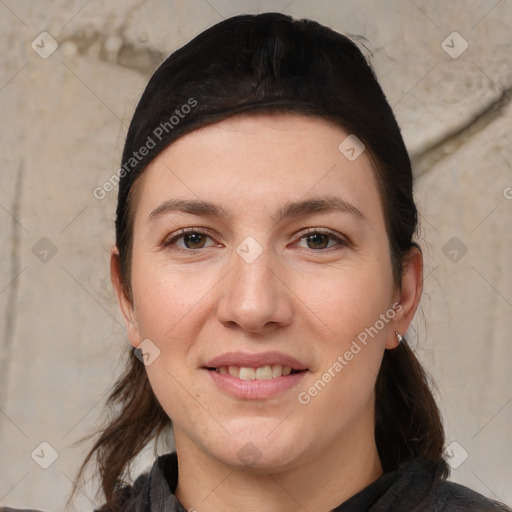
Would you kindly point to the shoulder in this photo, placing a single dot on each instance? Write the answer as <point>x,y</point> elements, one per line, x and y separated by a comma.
<point>419,485</point>
<point>133,498</point>
<point>453,497</point>
<point>153,490</point>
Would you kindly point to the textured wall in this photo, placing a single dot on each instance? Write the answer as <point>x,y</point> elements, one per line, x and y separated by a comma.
<point>66,99</point>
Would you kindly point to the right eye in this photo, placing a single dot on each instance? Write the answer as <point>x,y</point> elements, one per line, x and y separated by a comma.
<point>188,239</point>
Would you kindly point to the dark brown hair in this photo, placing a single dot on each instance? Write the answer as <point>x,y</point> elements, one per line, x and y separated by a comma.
<point>270,63</point>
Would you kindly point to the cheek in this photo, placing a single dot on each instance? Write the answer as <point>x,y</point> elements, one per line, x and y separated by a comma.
<point>345,312</point>
<point>347,301</point>
<point>168,301</point>
<point>342,385</point>
<point>171,309</point>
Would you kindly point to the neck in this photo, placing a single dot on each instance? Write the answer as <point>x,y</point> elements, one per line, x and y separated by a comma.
<point>340,470</point>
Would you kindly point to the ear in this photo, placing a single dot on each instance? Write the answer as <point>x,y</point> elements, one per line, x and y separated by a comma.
<point>409,296</point>
<point>125,302</point>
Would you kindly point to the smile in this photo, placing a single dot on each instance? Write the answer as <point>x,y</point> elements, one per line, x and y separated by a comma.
<point>265,372</point>
<point>253,388</point>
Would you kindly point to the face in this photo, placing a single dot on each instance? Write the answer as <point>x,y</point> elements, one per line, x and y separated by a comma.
<point>262,289</point>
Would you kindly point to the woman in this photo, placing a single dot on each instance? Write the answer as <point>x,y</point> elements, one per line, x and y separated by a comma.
<point>266,271</point>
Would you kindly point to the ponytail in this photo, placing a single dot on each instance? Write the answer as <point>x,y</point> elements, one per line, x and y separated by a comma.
<point>139,419</point>
<point>407,420</point>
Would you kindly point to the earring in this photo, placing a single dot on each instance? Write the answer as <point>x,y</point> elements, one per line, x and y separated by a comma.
<point>399,337</point>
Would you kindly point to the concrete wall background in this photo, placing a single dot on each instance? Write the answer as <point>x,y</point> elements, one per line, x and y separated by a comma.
<point>62,126</point>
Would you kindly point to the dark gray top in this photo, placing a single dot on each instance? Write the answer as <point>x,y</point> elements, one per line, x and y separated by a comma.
<point>411,488</point>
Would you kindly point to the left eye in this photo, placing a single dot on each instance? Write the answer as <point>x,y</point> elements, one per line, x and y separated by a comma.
<point>320,240</point>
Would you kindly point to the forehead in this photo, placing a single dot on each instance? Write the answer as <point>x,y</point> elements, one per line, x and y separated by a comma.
<point>256,161</point>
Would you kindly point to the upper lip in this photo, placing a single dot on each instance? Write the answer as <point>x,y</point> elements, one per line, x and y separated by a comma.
<point>252,360</point>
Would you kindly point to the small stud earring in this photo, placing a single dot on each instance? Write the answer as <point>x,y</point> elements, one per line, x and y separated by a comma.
<point>399,337</point>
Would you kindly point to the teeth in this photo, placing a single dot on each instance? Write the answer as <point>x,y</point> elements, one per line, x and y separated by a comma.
<point>277,370</point>
<point>245,373</point>
<point>262,373</point>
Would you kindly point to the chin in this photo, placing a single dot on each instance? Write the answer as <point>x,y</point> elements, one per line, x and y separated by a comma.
<point>251,458</point>
<point>262,443</point>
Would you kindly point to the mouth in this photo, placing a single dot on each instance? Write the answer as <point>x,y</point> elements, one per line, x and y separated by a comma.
<point>248,383</point>
<point>265,372</point>
<point>245,375</point>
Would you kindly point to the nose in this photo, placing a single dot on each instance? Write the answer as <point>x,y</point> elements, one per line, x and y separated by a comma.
<point>255,295</point>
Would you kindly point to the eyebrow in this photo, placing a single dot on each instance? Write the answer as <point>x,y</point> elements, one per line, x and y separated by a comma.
<point>313,206</point>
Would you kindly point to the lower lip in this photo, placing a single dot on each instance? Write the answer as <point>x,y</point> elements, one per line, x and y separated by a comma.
<point>254,389</point>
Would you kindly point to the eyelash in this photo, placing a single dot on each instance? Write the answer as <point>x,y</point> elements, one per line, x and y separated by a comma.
<point>172,239</point>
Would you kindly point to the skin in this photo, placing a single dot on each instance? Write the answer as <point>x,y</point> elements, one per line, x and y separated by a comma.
<point>309,299</point>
